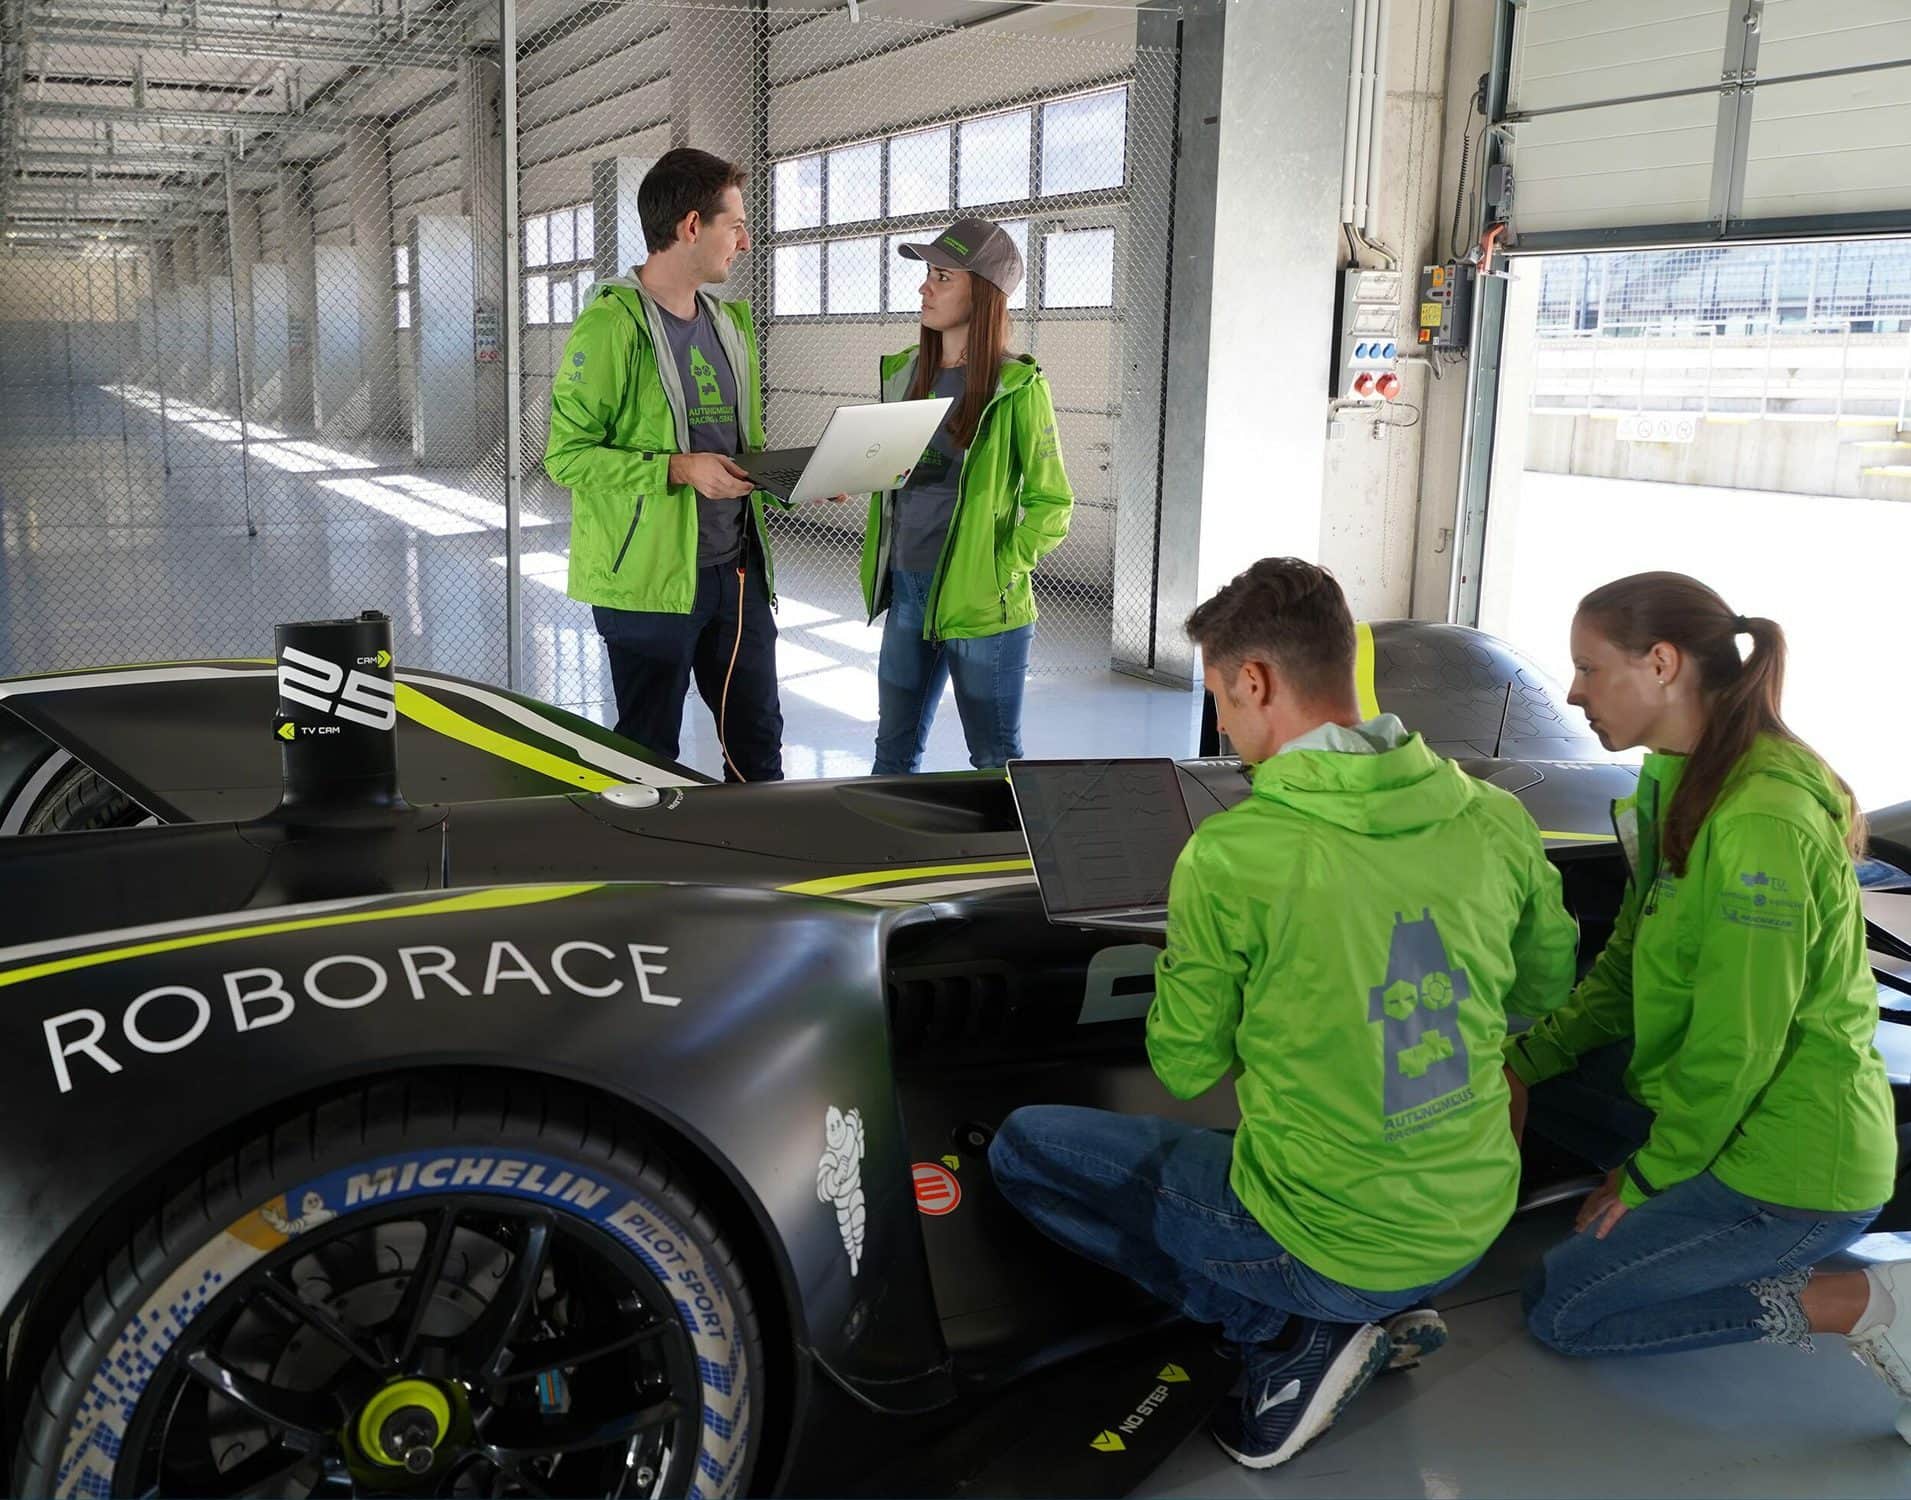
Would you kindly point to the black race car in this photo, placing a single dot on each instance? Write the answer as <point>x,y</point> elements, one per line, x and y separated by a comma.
<point>565,1124</point>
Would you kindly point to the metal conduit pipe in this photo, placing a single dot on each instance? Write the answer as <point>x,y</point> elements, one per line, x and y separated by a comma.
<point>1365,124</point>
<point>1367,209</point>
<point>1349,137</point>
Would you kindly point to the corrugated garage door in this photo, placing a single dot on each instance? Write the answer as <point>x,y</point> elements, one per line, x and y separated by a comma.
<point>1659,121</point>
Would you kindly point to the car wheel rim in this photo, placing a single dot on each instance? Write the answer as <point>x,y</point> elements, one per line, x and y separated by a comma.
<point>477,1345</point>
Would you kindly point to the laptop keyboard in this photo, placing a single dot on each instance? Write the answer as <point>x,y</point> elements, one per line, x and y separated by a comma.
<point>778,481</point>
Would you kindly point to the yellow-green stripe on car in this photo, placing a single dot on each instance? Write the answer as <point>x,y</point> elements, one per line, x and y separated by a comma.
<point>468,901</point>
<point>835,885</point>
<point>428,711</point>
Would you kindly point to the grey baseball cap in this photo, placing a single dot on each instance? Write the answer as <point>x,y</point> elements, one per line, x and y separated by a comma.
<point>976,246</point>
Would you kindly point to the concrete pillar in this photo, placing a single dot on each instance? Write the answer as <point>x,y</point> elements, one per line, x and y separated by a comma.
<point>243,253</point>
<point>332,347</point>
<point>377,411</point>
<point>618,247</point>
<point>220,387</point>
<point>160,317</point>
<point>443,433</point>
<point>271,356</point>
<point>190,344</point>
<point>1244,444</point>
<point>293,196</point>
<point>186,256</point>
<point>479,82</point>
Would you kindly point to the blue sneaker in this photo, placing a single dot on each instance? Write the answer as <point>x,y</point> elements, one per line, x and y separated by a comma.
<point>1291,1396</point>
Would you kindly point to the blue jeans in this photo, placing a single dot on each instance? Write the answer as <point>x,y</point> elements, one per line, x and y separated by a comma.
<point>730,634</point>
<point>1698,1265</point>
<point>988,673</point>
<point>1150,1198</point>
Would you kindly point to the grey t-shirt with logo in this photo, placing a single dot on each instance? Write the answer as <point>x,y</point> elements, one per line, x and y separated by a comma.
<point>925,505</point>
<point>710,389</point>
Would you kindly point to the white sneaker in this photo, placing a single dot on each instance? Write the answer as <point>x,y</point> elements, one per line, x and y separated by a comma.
<point>1414,1335</point>
<point>1886,1347</point>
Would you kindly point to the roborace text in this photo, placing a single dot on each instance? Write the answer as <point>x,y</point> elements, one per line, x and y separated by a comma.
<point>172,1017</point>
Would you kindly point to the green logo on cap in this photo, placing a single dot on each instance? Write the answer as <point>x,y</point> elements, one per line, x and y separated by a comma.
<point>955,244</point>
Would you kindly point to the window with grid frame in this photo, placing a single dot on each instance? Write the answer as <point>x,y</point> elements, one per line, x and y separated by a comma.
<point>839,214</point>
<point>556,254</point>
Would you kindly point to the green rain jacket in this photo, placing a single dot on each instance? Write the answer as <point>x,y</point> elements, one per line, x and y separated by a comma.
<point>1347,942</point>
<point>618,413</point>
<point>1745,990</point>
<point>1013,503</point>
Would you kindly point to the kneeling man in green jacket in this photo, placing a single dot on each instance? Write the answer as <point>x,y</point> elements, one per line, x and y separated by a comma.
<point>1344,944</point>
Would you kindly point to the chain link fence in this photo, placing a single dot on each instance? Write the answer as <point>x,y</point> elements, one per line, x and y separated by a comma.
<point>219,410</point>
<point>860,136</point>
<point>253,301</point>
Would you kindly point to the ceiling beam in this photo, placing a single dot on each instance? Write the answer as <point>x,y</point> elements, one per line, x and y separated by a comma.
<point>251,121</point>
<point>268,46</point>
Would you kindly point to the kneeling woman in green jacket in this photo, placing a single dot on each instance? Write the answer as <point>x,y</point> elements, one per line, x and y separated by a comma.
<point>1759,1117</point>
<point>950,553</point>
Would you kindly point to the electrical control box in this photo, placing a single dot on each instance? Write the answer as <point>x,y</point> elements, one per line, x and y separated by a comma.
<point>1446,307</point>
<point>1367,366</point>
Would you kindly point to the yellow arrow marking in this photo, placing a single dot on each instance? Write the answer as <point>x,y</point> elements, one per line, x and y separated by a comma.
<point>953,1163</point>
<point>1107,1442</point>
<point>1172,1374</point>
<point>287,731</point>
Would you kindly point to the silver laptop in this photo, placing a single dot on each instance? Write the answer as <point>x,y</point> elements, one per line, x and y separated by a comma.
<point>863,448</point>
<point>1104,836</point>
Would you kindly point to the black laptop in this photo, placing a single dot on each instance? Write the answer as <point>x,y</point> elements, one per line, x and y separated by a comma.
<point>1104,836</point>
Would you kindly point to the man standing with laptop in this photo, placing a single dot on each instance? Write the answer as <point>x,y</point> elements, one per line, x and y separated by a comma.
<point>1343,945</point>
<point>657,392</point>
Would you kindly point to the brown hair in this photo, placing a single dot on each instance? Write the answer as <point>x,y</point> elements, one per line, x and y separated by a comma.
<point>683,181</point>
<point>988,347</point>
<point>1288,613</point>
<point>1741,695</point>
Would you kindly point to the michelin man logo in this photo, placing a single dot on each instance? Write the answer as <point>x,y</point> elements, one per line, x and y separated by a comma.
<point>313,1213</point>
<point>839,1178</point>
<point>1416,1003</point>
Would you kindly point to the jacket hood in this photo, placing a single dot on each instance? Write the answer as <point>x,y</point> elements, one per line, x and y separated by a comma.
<point>639,295</point>
<point>1793,764</point>
<point>1396,791</point>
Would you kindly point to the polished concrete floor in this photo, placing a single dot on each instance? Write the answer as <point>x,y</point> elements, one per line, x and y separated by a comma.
<point>128,535</point>
<point>1495,1415</point>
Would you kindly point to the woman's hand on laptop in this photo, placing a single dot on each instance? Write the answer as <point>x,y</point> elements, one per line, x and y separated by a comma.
<point>711,475</point>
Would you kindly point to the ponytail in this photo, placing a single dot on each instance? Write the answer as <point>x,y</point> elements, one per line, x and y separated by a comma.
<point>1742,694</point>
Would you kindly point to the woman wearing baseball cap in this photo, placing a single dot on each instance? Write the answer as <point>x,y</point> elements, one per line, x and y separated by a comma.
<point>950,553</point>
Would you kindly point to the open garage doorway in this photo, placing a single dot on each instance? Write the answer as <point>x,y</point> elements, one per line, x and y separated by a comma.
<point>1740,413</point>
